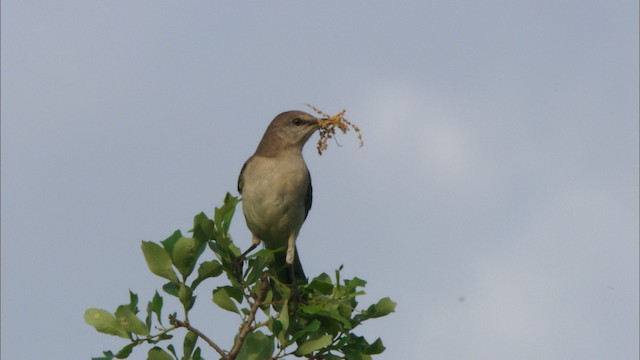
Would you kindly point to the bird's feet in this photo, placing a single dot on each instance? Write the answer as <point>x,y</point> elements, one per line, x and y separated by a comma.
<point>296,298</point>
<point>295,294</point>
<point>238,262</point>
<point>237,265</point>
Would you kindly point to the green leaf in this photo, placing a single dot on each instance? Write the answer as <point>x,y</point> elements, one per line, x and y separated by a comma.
<point>125,351</point>
<point>159,261</point>
<point>256,346</point>
<point>157,353</point>
<point>104,322</point>
<point>173,350</point>
<point>331,357</point>
<point>276,328</point>
<point>354,283</point>
<point>171,288</point>
<point>185,294</point>
<point>170,242</point>
<point>256,268</point>
<point>206,270</point>
<point>133,302</point>
<point>266,302</point>
<point>223,215</point>
<point>108,355</point>
<point>189,343</point>
<point>314,344</point>
<point>327,311</point>
<point>305,331</point>
<point>321,285</point>
<point>358,348</point>
<point>185,254</point>
<point>222,297</point>
<point>130,322</point>
<point>375,348</point>
<point>231,201</point>
<point>222,244</point>
<point>203,227</point>
<point>196,355</point>
<point>313,326</point>
<point>154,306</point>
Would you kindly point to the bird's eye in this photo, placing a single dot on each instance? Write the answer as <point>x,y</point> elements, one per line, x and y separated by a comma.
<point>297,122</point>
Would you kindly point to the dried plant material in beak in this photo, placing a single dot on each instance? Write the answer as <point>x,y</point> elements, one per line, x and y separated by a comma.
<point>328,127</point>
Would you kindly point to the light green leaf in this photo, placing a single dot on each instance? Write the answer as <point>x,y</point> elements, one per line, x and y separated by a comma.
<point>384,307</point>
<point>256,346</point>
<point>313,326</point>
<point>159,261</point>
<point>185,254</point>
<point>222,298</point>
<point>104,322</point>
<point>283,317</point>
<point>185,294</point>
<point>281,324</point>
<point>157,353</point>
<point>312,345</point>
<point>129,321</point>
<point>206,270</point>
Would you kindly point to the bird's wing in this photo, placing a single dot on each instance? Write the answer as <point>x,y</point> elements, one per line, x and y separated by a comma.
<point>309,198</point>
<point>240,178</point>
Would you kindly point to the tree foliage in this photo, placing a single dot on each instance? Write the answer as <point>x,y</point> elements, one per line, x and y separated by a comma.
<point>319,324</point>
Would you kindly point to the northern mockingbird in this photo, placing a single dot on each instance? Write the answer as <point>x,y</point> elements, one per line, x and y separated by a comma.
<point>275,185</point>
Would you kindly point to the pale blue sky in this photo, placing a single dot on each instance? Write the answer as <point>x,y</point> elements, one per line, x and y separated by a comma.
<point>500,162</point>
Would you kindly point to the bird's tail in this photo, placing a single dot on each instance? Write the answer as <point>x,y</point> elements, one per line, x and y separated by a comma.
<point>283,272</point>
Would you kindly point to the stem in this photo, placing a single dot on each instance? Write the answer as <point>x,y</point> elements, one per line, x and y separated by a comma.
<point>246,327</point>
<point>259,325</point>
<point>186,325</point>
<point>149,338</point>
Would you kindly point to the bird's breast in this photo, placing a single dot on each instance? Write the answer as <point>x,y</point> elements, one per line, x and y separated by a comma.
<point>273,197</point>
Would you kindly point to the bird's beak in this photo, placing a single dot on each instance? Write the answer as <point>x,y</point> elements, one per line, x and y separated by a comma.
<point>315,124</point>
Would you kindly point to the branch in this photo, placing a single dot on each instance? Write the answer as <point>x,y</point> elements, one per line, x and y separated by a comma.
<point>185,324</point>
<point>246,327</point>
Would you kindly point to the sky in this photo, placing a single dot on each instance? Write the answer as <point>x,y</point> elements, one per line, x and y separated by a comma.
<point>495,198</point>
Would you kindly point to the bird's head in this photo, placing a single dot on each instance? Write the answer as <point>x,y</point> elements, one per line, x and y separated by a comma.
<point>289,130</point>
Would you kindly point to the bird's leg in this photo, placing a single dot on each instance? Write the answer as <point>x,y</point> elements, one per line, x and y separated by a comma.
<point>237,263</point>
<point>250,249</point>
<point>294,286</point>
<point>291,250</point>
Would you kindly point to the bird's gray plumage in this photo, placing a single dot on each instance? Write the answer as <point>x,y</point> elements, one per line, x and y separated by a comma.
<point>276,189</point>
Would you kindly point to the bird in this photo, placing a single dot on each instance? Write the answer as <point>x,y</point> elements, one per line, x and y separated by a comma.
<point>276,190</point>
